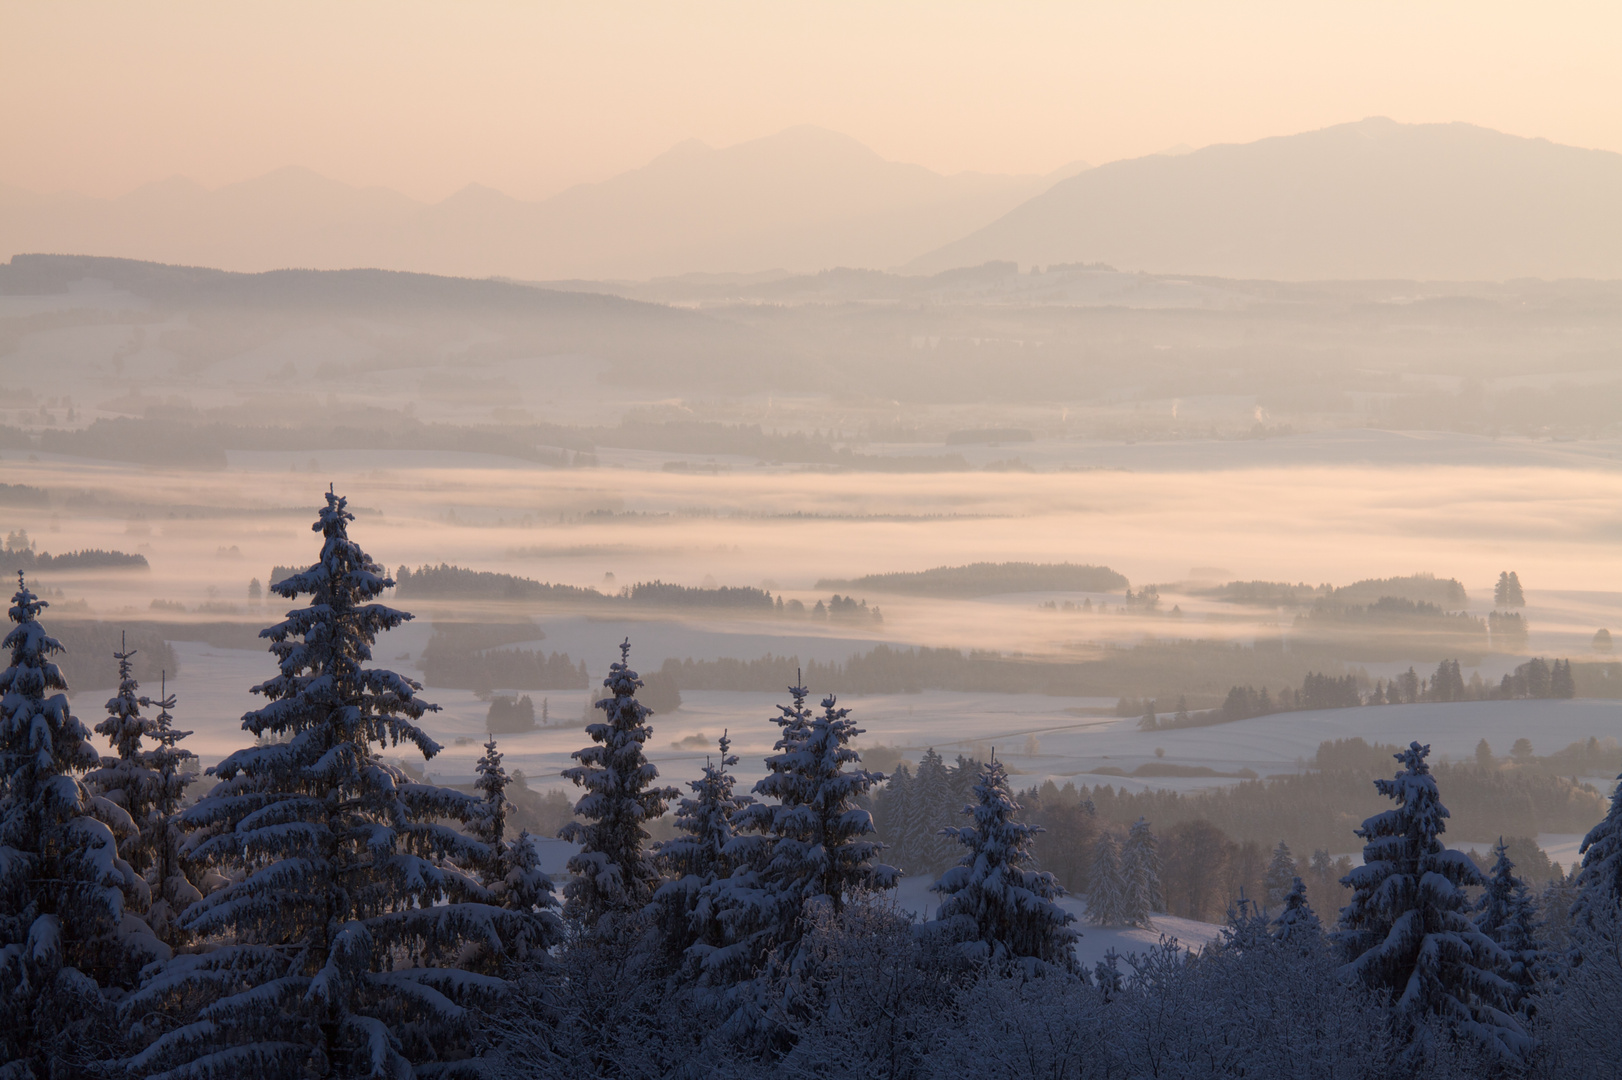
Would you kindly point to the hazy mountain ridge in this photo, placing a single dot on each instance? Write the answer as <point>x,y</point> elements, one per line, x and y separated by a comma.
<point>1372,199</point>
<point>803,199</point>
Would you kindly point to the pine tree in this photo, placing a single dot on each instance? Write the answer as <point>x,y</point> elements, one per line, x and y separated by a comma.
<point>510,868</point>
<point>1599,882</point>
<point>125,779</point>
<point>811,847</point>
<point>614,874</point>
<point>1297,923</point>
<point>993,902</point>
<point>1104,884</point>
<point>1407,930</point>
<point>1507,913</point>
<point>1507,593</point>
<point>1281,873</point>
<point>1140,876</point>
<point>700,855</point>
<point>340,934</point>
<point>932,811</point>
<point>63,885</point>
<point>893,812</point>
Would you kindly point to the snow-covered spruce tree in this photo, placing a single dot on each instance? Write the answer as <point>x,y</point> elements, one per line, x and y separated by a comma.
<point>701,854</point>
<point>1297,923</point>
<point>1599,882</point>
<point>1507,913</point>
<point>1104,884</point>
<point>510,868</point>
<point>1281,875</point>
<point>994,904</point>
<point>1140,875</point>
<point>614,874</point>
<point>173,890</point>
<point>1407,929</point>
<point>893,811</point>
<point>931,811</point>
<point>335,949</point>
<point>148,783</point>
<point>810,849</point>
<point>63,885</point>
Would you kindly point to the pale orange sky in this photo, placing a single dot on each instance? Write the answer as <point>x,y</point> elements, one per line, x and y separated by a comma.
<point>530,98</point>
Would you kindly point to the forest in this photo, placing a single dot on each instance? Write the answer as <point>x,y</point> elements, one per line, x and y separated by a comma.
<point>314,909</point>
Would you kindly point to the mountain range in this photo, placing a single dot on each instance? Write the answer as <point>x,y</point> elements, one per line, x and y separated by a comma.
<point>1375,199</point>
<point>800,200</point>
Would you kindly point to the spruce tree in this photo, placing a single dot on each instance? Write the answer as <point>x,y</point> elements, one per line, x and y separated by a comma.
<point>932,811</point>
<point>510,868</point>
<point>1599,882</point>
<point>64,931</point>
<point>1507,913</point>
<point>335,949</point>
<point>1281,873</point>
<point>1140,876</point>
<point>701,854</point>
<point>893,810</point>
<point>1407,930</point>
<point>614,874</point>
<point>1297,923</point>
<point>150,784</point>
<point>994,902</point>
<point>1104,884</point>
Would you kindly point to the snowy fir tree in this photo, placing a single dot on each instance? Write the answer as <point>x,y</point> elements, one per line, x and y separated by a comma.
<point>931,810</point>
<point>892,811</point>
<point>1599,882</point>
<point>1407,929</point>
<point>1507,913</point>
<point>510,868</point>
<point>995,905</point>
<point>1105,886</point>
<point>810,847</point>
<point>1281,875</point>
<point>1296,922</point>
<point>701,854</point>
<point>149,783</point>
<point>336,948</point>
<point>614,874</point>
<point>173,890</point>
<point>1140,876</point>
<point>65,933</point>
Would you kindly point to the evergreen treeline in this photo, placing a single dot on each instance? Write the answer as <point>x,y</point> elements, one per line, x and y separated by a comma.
<point>19,554</point>
<point>987,579</point>
<point>323,912</point>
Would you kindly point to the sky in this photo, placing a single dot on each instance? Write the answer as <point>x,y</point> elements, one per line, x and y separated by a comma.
<point>530,98</point>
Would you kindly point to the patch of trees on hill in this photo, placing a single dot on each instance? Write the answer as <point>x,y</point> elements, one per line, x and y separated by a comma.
<point>1445,593</point>
<point>988,579</point>
<point>1155,668</point>
<point>19,554</point>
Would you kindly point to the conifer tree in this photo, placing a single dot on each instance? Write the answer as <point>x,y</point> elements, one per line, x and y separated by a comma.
<point>893,809</point>
<point>125,779</point>
<point>932,811</point>
<point>150,784</point>
<point>1599,882</point>
<point>994,902</point>
<point>614,874</point>
<point>63,885</point>
<point>1507,913</point>
<point>810,847</point>
<point>1104,884</point>
<point>1281,873</point>
<point>701,854</point>
<point>1297,923</point>
<point>511,868</point>
<point>340,934</point>
<point>1407,930</point>
<point>1140,876</point>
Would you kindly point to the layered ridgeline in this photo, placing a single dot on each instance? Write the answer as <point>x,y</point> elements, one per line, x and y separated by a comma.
<point>1371,199</point>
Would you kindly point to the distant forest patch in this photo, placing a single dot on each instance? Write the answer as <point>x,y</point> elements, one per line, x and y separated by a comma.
<point>1445,593</point>
<point>988,579</point>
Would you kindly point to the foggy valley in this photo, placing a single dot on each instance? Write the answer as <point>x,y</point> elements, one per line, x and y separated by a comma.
<point>1148,512</point>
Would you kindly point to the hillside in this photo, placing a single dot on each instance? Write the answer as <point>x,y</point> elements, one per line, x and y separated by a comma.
<point>1372,199</point>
